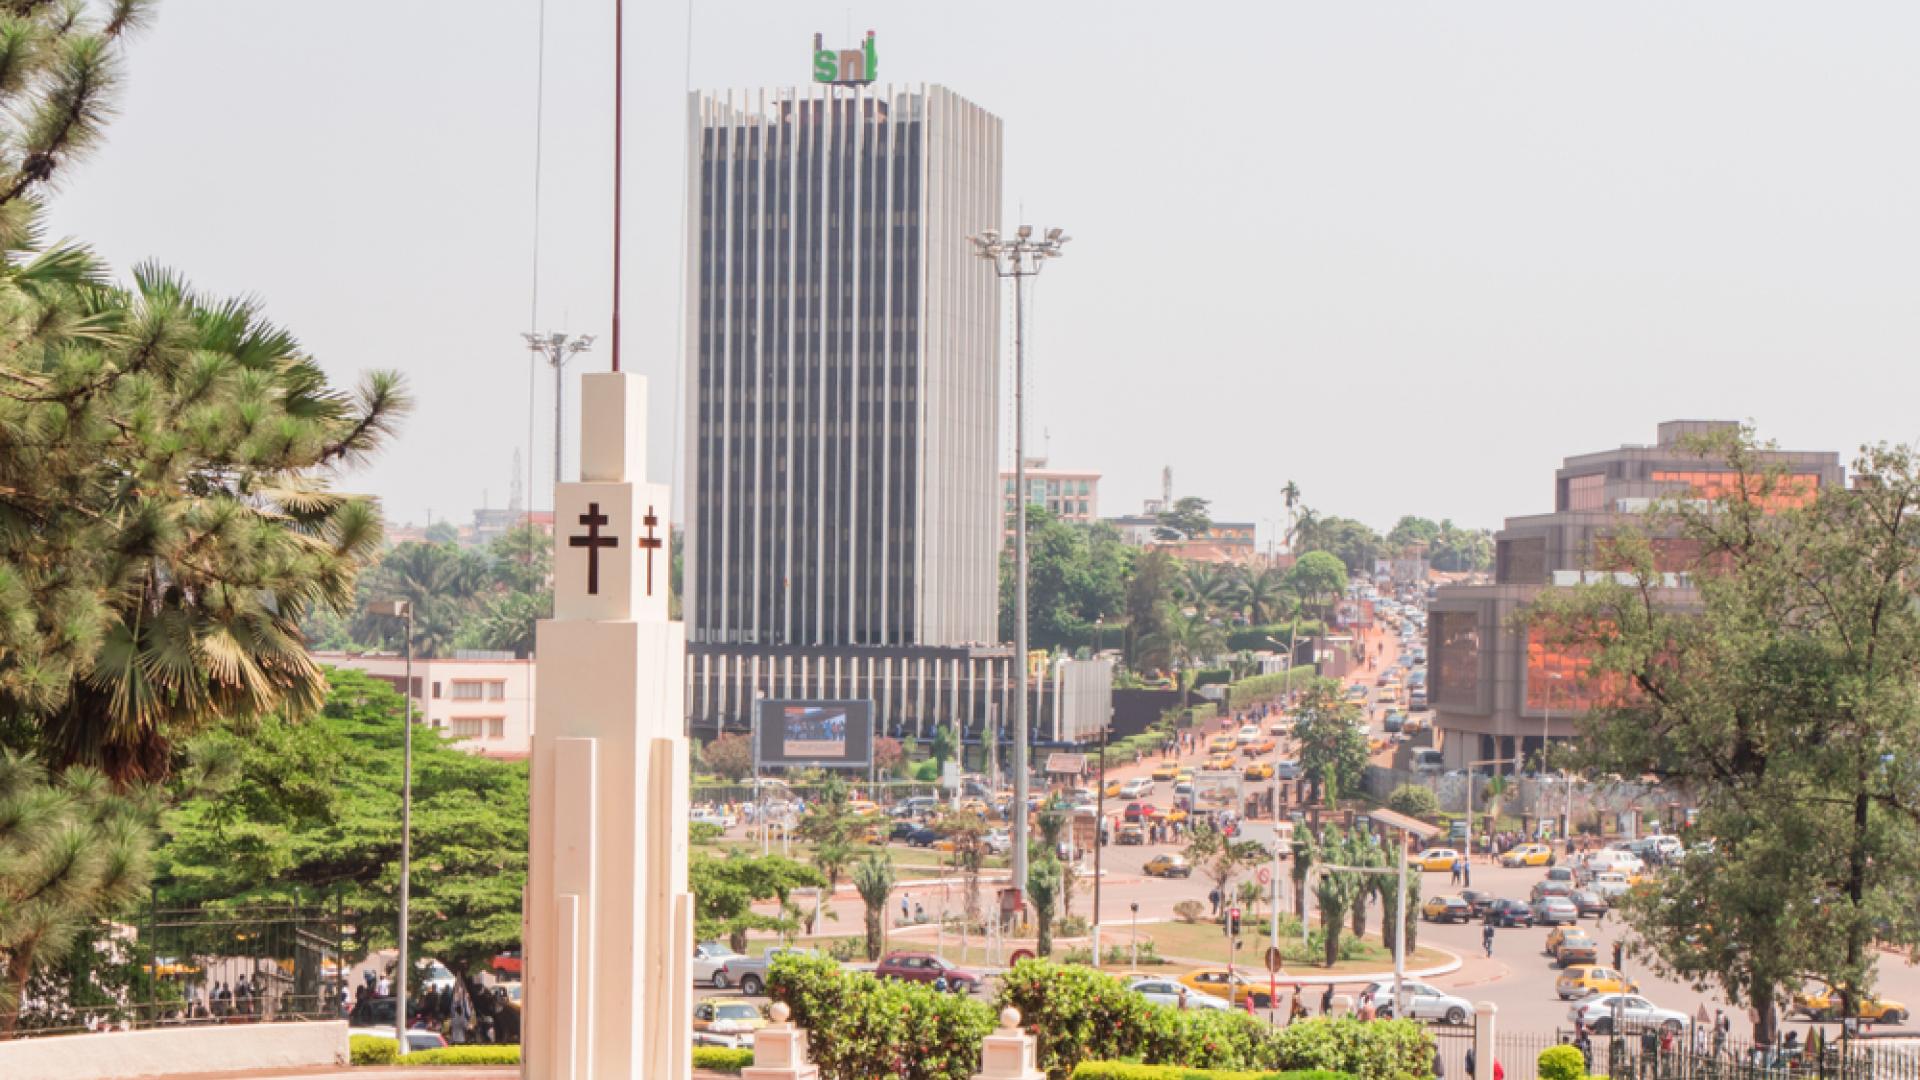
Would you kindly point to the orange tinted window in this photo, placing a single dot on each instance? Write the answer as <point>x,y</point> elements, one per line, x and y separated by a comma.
<point>1791,490</point>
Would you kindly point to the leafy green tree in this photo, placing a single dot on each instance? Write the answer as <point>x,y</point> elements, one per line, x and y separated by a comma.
<point>1220,857</point>
<point>1203,589</point>
<point>1779,692</point>
<point>1456,549</point>
<point>1187,520</point>
<point>1351,541</point>
<point>725,890</point>
<point>441,581</point>
<point>300,812</point>
<point>1335,893</point>
<point>1318,578</point>
<point>1187,640</point>
<point>1414,800</point>
<point>873,877</point>
<point>1076,574</point>
<point>1149,597</point>
<point>1333,744</point>
<point>521,560</point>
<point>829,825</point>
<point>968,832</point>
<point>1394,921</point>
<point>72,849</point>
<point>1410,530</point>
<point>1259,593</point>
<point>944,746</point>
<point>442,533</point>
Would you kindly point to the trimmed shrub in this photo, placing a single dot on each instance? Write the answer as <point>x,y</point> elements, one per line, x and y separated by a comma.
<point>1414,800</point>
<point>1561,1063</point>
<point>464,1055</point>
<point>723,1059</point>
<point>1122,1070</point>
<point>372,1050</point>
<point>1078,1015</point>
<point>859,1027</point>
<point>1189,911</point>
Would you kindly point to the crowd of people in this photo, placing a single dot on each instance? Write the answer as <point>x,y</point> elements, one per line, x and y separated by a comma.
<point>461,1012</point>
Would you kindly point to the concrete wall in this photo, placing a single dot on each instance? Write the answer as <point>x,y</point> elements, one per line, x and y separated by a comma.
<point>175,1051</point>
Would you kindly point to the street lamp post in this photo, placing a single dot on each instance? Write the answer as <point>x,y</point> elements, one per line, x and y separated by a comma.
<point>403,609</point>
<point>1546,727</point>
<point>556,349</point>
<point>1019,258</point>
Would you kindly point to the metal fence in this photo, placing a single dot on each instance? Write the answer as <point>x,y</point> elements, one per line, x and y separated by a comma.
<point>1632,1057</point>
<point>245,965</point>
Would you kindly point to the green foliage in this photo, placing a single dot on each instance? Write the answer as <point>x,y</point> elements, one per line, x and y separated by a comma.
<point>1189,911</point>
<point>704,832</point>
<point>372,1050</point>
<point>1121,1070</point>
<point>295,812</point>
<point>1219,857</point>
<point>1258,688</point>
<point>724,891</point>
<point>72,849</point>
<point>722,1059</point>
<point>944,746</point>
<point>1079,1015</point>
<point>1353,543</point>
<point>1412,530</point>
<point>464,1055</point>
<point>1149,595</point>
<point>1076,574</point>
<point>859,1027</point>
<point>1186,520</point>
<point>873,877</point>
<point>462,598</point>
<point>1319,578</point>
<point>1333,745</point>
<point>1043,892</point>
<point>1782,698</point>
<point>1414,800</point>
<point>1561,1063</point>
<point>1456,549</point>
<point>1262,637</point>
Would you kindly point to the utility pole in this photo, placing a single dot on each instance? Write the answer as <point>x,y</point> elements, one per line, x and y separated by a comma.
<point>557,349</point>
<point>1099,826</point>
<point>1019,258</point>
<point>403,609</point>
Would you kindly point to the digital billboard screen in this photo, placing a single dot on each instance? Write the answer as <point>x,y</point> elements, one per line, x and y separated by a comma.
<point>816,733</point>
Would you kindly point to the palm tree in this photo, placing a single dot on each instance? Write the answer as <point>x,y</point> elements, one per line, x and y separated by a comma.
<point>1291,496</point>
<point>1392,920</point>
<point>1305,854</point>
<point>1306,527</point>
<point>1334,892</point>
<point>873,876</point>
<point>829,825</point>
<point>1053,831</point>
<point>1187,640</point>
<point>1043,888</point>
<point>1497,789</point>
<point>1203,588</point>
<point>1260,592</point>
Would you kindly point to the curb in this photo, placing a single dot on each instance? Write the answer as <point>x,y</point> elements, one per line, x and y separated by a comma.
<point>1452,965</point>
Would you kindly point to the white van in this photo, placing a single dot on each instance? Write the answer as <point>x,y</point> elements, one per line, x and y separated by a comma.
<point>1428,761</point>
<point>1617,860</point>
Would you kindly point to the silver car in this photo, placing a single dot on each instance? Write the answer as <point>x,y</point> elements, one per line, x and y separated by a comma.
<point>1632,1011</point>
<point>707,958</point>
<point>1423,1002</point>
<point>1167,992</point>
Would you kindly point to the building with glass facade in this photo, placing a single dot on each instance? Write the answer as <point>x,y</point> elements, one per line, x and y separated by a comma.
<point>1497,690</point>
<point>843,516</point>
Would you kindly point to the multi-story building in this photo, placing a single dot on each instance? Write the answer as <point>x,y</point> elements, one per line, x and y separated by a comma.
<point>1222,542</point>
<point>1069,494</point>
<point>483,702</point>
<point>843,518</point>
<point>1499,689</point>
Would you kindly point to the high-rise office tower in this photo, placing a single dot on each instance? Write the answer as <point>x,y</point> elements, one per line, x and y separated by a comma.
<point>843,510</point>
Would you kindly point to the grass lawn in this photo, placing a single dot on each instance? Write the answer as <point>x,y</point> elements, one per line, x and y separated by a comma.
<point>1203,941</point>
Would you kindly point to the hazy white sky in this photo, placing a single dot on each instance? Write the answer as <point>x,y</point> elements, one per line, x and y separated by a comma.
<point>1407,254</point>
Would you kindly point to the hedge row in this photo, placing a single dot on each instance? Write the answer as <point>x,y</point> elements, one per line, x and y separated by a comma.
<point>723,1059</point>
<point>1123,1070</point>
<point>859,1028</point>
<point>479,1054</point>
<point>1257,688</point>
<point>372,1050</point>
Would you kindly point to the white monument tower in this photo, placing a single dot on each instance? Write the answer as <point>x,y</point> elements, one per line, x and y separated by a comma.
<point>609,921</point>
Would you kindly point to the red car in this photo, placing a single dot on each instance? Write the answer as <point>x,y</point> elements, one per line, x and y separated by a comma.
<point>926,968</point>
<point>1141,811</point>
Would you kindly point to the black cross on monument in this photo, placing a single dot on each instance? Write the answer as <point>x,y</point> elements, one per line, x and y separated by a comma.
<point>650,544</point>
<point>593,542</point>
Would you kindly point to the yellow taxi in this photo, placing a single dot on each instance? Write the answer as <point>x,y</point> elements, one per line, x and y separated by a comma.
<point>1184,776</point>
<point>1174,816</point>
<point>1824,1004</point>
<point>862,806</point>
<point>1168,866</point>
<point>1583,979</point>
<point>973,806</point>
<point>726,1022</point>
<point>1222,762</point>
<point>1222,742</point>
<point>1435,860</point>
<point>1528,855</point>
<point>1234,988</point>
<point>1165,772</point>
<point>1259,748</point>
<point>1113,789</point>
<point>1259,770</point>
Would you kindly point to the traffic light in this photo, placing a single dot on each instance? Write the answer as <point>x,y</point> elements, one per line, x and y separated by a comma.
<point>1233,922</point>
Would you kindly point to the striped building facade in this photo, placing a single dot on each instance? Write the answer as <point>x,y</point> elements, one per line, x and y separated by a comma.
<point>842,519</point>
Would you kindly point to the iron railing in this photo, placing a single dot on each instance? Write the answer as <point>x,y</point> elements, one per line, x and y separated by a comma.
<point>168,966</point>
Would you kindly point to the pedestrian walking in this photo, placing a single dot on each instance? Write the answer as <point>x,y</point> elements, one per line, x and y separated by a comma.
<point>1326,1001</point>
<point>1486,939</point>
<point>1453,873</point>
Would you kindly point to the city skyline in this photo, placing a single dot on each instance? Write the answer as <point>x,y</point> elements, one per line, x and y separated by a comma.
<point>1447,220</point>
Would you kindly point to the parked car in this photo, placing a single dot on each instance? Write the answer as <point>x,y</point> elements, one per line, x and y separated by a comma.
<point>1528,855</point>
<point>1169,866</point>
<point>749,973</point>
<point>1166,771</point>
<point>1286,769</point>
<point>1131,835</point>
<point>1479,899</point>
<point>1553,910</point>
<point>707,815</point>
<point>903,830</point>
<point>1633,1011</point>
<point>997,842</point>
<point>1542,889</point>
<point>1233,987</point>
<point>719,1022</point>
<point>1509,913</point>
<point>1446,909</point>
<point>923,837</point>
<point>1562,873</point>
<point>1423,1002</point>
<point>1823,1004</point>
<point>1136,788</point>
<point>926,968</point>
<point>1588,902</point>
<point>1139,811</point>
<point>707,958</point>
<point>1569,945</point>
<point>1610,884</point>
<point>1435,860</point>
<point>1169,993</point>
